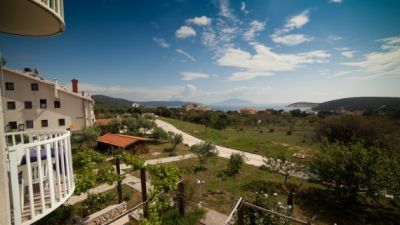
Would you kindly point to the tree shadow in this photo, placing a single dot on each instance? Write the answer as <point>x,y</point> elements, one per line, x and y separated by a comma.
<point>261,186</point>
<point>329,210</point>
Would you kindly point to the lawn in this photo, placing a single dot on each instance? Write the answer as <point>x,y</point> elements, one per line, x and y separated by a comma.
<point>254,139</point>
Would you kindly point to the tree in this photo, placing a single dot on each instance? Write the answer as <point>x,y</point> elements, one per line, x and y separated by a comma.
<point>87,137</point>
<point>175,139</point>
<point>204,150</point>
<point>164,178</point>
<point>349,169</point>
<point>235,163</point>
<point>114,126</point>
<point>159,133</point>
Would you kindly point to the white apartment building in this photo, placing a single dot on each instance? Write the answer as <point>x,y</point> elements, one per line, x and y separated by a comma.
<point>31,102</point>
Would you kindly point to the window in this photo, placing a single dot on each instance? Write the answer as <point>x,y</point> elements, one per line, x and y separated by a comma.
<point>35,87</point>
<point>57,104</point>
<point>11,105</point>
<point>43,103</point>
<point>45,123</point>
<point>13,125</point>
<point>9,86</point>
<point>28,105</point>
<point>61,122</point>
<point>29,124</point>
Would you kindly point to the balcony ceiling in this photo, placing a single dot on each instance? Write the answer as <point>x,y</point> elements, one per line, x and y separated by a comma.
<point>29,18</point>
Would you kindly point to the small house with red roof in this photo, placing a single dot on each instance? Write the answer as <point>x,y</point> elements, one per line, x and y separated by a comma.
<point>123,141</point>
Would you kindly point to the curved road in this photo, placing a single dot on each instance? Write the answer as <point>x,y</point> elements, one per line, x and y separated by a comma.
<point>251,159</point>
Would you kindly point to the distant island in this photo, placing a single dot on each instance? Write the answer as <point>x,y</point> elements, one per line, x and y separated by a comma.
<point>384,104</point>
<point>303,105</point>
<point>107,100</point>
<point>233,102</point>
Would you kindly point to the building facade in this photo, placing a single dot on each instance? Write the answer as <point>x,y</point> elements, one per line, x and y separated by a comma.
<point>32,102</point>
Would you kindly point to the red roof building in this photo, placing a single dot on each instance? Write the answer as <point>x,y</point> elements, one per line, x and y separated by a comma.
<point>120,140</point>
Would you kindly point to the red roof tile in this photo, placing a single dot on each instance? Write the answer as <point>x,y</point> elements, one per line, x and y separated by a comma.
<point>120,140</point>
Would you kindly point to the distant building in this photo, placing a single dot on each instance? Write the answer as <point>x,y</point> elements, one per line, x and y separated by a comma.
<point>32,103</point>
<point>195,106</point>
<point>189,106</point>
<point>135,105</point>
<point>248,111</point>
<point>204,108</point>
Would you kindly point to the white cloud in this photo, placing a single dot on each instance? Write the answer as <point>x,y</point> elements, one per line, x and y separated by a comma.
<point>346,52</point>
<point>193,75</point>
<point>266,62</point>
<point>333,38</point>
<point>225,10</point>
<point>336,1</point>
<point>200,21</point>
<point>185,31</point>
<point>187,55</point>
<point>291,39</point>
<point>255,27</point>
<point>280,36</point>
<point>243,8</point>
<point>161,42</point>
<point>298,21</point>
<point>380,63</point>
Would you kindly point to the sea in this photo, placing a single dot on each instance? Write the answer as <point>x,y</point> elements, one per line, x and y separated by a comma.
<point>276,106</point>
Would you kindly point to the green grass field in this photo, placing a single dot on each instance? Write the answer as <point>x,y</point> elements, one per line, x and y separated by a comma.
<point>254,139</point>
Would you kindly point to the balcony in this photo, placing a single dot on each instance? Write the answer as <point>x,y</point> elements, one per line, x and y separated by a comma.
<point>40,172</point>
<point>32,17</point>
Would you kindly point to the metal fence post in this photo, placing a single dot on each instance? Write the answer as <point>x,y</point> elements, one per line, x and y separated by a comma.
<point>144,191</point>
<point>181,198</point>
<point>240,215</point>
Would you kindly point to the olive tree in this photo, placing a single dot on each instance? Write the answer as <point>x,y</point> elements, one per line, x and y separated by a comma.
<point>204,150</point>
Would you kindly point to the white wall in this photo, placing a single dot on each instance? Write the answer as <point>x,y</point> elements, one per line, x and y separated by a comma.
<point>76,110</point>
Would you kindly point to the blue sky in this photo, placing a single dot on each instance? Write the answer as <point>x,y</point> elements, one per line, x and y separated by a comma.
<point>207,51</point>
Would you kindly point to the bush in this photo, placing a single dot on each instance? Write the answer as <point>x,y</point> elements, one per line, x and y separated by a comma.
<point>62,215</point>
<point>289,132</point>
<point>271,130</point>
<point>235,163</point>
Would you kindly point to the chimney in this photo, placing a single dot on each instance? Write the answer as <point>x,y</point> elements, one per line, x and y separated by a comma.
<point>74,85</point>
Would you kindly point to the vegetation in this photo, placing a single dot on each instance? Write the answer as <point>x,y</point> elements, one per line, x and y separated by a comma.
<point>175,139</point>
<point>204,150</point>
<point>159,133</point>
<point>235,162</point>
<point>385,104</point>
<point>86,138</point>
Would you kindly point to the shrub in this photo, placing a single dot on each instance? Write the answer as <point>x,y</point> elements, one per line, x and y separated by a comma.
<point>289,132</point>
<point>159,133</point>
<point>235,163</point>
<point>271,130</point>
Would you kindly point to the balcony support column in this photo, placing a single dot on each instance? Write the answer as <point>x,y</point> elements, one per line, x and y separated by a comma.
<point>16,203</point>
<point>5,211</point>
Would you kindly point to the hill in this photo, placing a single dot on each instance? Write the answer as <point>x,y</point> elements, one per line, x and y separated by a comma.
<point>107,100</point>
<point>303,105</point>
<point>386,104</point>
<point>234,102</point>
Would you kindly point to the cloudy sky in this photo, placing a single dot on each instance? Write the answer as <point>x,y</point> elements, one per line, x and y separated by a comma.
<point>210,50</point>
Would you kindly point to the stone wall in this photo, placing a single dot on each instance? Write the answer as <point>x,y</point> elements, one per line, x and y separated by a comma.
<point>106,214</point>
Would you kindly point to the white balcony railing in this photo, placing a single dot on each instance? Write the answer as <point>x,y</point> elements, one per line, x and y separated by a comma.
<point>40,171</point>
